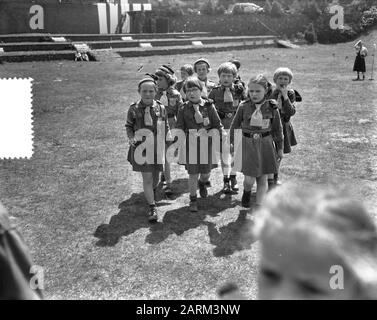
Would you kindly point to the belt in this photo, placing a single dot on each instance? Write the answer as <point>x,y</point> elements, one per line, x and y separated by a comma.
<point>171,115</point>
<point>223,115</point>
<point>256,135</point>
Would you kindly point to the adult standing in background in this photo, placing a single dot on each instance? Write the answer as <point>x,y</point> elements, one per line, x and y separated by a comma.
<point>359,65</point>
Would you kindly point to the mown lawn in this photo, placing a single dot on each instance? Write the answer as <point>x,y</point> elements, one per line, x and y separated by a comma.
<point>80,207</point>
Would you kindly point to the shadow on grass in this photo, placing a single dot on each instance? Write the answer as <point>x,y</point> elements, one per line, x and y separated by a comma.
<point>180,220</point>
<point>233,237</point>
<point>132,216</point>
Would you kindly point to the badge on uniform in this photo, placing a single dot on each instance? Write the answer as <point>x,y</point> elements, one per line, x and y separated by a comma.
<point>172,101</point>
<point>265,123</point>
<point>236,102</point>
<point>206,121</point>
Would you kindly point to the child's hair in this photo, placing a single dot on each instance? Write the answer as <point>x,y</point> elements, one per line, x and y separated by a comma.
<point>283,72</point>
<point>188,68</point>
<point>236,63</point>
<point>168,73</point>
<point>202,60</point>
<point>328,215</point>
<point>262,80</point>
<point>146,80</point>
<point>227,67</point>
<point>192,82</point>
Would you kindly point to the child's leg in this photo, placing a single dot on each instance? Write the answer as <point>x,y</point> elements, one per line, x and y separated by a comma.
<point>248,183</point>
<point>247,186</point>
<point>226,168</point>
<point>156,175</point>
<point>149,195</point>
<point>204,177</point>
<point>193,185</point>
<point>167,171</point>
<point>271,180</point>
<point>148,186</point>
<point>262,188</point>
<point>203,181</point>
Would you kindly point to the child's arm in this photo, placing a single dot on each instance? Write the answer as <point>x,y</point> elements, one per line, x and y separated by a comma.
<point>215,119</point>
<point>237,121</point>
<point>180,119</point>
<point>277,130</point>
<point>244,92</point>
<point>130,123</point>
<point>289,108</point>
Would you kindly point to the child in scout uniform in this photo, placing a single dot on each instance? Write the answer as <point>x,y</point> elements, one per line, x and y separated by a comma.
<point>186,71</point>
<point>202,68</point>
<point>261,127</point>
<point>286,99</point>
<point>226,97</point>
<point>147,116</point>
<point>172,101</point>
<point>196,117</point>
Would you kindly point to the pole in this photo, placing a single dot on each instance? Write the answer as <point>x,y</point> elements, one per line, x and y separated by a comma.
<point>374,52</point>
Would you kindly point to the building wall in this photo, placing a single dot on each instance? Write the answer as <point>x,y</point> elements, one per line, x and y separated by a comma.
<point>53,17</point>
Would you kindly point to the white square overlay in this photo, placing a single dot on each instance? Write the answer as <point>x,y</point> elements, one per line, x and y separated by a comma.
<point>16,128</point>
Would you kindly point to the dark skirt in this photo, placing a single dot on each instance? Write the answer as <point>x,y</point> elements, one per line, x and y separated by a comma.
<point>259,157</point>
<point>359,64</point>
<point>154,165</point>
<point>289,137</point>
<point>204,165</point>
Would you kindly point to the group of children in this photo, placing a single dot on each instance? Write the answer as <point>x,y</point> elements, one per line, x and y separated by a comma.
<point>196,104</point>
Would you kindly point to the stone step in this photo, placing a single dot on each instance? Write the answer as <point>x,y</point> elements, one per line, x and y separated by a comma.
<point>46,37</point>
<point>112,44</point>
<point>137,51</point>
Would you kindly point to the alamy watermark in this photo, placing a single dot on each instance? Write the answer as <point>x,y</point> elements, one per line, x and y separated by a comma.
<point>337,280</point>
<point>337,20</point>
<point>37,280</point>
<point>191,147</point>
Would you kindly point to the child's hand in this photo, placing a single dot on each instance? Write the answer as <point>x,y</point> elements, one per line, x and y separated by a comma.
<point>132,141</point>
<point>284,92</point>
<point>169,136</point>
<point>280,155</point>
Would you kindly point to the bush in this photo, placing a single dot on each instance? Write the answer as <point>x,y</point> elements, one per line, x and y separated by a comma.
<point>276,10</point>
<point>369,18</point>
<point>312,11</point>
<point>207,8</point>
<point>220,9</point>
<point>310,34</point>
<point>267,7</point>
<point>327,35</point>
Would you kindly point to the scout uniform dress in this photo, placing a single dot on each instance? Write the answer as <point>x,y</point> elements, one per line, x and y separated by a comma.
<point>261,128</point>
<point>287,109</point>
<point>140,116</point>
<point>226,101</point>
<point>198,116</point>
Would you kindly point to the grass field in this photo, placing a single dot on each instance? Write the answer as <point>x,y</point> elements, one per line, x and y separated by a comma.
<point>80,207</point>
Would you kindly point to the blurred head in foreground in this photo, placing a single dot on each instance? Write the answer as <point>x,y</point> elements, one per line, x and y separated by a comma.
<point>315,244</point>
